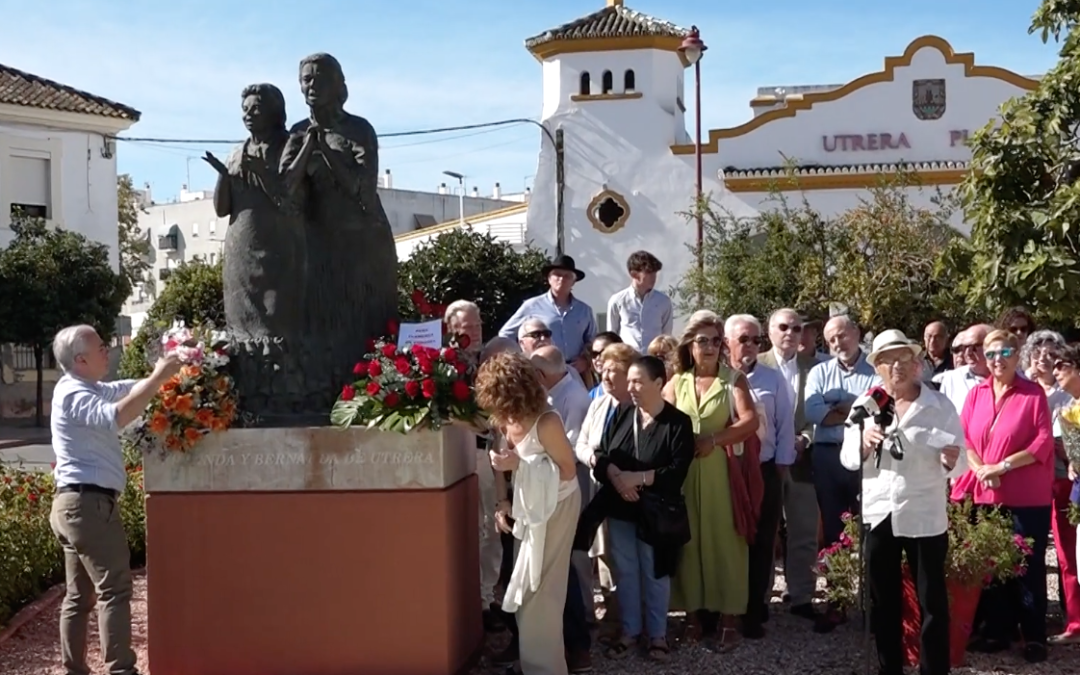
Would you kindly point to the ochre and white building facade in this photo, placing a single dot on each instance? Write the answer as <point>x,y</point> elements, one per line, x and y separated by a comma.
<point>614,83</point>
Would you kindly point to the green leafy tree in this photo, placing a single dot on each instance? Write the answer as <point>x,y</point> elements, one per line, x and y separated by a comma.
<point>1022,196</point>
<point>51,278</point>
<point>193,294</point>
<point>887,251</point>
<point>756,265</point>
<point>134,245</point>
<point>466,265</point>
<point>880,259</point>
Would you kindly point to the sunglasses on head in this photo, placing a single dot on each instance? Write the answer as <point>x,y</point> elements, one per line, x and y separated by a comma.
<point>1004,352</point>
<point>785,327</point>
<point>537,334</point>
<point>706,341</point>
<point>746,339</point>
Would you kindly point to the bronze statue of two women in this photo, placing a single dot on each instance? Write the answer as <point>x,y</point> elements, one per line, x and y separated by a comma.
<point>310,267</point>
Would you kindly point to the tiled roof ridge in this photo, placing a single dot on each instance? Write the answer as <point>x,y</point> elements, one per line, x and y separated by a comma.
<point>821,170</point>
<point>18,87</point>
<point>611,21</point>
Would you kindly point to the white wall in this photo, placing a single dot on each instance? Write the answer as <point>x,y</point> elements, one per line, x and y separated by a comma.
<point>623,146</point>
<point>881,108</point>
<point>82,180</point>
<point>508,226</point>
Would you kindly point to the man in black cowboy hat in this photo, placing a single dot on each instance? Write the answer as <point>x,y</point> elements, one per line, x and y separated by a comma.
<point>570,320</point>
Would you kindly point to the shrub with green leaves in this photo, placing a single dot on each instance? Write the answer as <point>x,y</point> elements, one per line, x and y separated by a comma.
<point>466,265</point>
<point>30,556</point>
<point>193,293</point>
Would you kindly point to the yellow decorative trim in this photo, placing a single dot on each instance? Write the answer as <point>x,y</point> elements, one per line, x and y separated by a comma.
<point>469,220</point>
<point>793,105</point>
<point>605,97</point>
<point>599,199</point>
<point>666,43</point>
<point>838,181</point>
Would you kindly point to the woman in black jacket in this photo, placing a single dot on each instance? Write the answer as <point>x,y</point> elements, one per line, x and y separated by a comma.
<point>641,464</point>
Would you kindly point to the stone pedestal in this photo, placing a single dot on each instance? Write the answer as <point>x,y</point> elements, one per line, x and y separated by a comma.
<point>314,551</point>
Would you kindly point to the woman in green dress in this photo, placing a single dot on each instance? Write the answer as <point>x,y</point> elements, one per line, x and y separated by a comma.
<point>711,581</point>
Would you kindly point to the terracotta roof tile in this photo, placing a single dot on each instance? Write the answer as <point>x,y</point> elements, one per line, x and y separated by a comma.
<point>610,22</point>
<point>24,89</point>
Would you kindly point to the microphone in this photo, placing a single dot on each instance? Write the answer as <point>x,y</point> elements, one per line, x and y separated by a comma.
<point>871,404</point>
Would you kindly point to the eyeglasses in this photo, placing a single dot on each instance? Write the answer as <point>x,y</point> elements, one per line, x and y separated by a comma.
<point>708,342</point>
<point>1004,352</point>
<point>538,334</point>
<point>746,339</point>
<point>785,327</point>
<point>960,349</point>
<point>894,359</point>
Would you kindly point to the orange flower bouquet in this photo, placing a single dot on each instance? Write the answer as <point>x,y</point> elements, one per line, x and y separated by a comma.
<point>198,400</point>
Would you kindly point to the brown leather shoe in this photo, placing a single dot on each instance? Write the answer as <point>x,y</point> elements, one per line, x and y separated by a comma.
<point>579,662</point>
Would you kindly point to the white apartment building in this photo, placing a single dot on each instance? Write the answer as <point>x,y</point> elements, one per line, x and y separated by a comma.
<point>188,228</point>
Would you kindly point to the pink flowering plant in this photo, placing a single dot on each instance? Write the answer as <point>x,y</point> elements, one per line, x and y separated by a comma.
<point>403,388</point>
<point>982,549</point>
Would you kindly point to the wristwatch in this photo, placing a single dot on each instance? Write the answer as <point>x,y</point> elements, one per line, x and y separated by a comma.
<point>1006,466</point>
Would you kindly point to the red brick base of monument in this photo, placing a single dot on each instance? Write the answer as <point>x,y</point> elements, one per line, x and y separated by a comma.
<point>314,583</point>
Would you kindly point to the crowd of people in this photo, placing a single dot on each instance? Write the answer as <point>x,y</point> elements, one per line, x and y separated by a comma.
<point>664,471</point>
<point>675,473</point>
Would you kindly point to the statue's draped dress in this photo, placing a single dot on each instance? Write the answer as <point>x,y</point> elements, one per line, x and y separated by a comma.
<point>352,274</point>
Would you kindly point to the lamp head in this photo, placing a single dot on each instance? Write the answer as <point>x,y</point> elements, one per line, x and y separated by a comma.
<point>692,47</point>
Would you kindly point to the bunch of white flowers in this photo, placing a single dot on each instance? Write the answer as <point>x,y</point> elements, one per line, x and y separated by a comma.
<point>196,347</point>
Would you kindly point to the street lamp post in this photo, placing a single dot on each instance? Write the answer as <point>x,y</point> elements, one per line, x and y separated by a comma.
<point>461,196</point>
<point>693,49</point>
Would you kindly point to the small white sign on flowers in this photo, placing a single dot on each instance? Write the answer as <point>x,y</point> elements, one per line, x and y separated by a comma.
<point>426,334</point>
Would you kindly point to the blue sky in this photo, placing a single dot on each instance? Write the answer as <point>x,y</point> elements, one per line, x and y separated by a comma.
<point>424,63</point>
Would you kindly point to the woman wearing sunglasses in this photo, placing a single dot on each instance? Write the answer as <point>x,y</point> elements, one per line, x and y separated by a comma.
<point>1067,373</point>
<point>1010,443</point>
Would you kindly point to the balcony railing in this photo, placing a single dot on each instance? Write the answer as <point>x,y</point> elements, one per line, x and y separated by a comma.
<point>168,242</point>
<point>164,273</point>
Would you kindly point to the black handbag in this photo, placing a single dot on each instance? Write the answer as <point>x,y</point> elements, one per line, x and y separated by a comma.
<point>662,519</point>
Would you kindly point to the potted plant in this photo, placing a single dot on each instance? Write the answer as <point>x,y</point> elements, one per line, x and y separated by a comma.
<point>982,550</point>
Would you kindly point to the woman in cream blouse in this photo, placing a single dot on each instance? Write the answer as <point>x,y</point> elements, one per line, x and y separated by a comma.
<point>614,364</point>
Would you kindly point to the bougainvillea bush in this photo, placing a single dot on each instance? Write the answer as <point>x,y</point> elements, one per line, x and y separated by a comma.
<point>982,549</point>
<point>30,556</point>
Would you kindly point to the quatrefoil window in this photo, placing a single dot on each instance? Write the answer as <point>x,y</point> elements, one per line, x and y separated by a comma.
<point>608,212</point>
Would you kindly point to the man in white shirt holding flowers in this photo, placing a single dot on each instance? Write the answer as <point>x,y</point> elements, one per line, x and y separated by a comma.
<point>86,419</point>
<point>904,501</point>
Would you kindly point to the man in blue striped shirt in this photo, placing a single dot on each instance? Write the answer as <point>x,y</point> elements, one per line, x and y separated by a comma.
<point>86,419</point>
<point>831,387</point>
<point>570,320</point>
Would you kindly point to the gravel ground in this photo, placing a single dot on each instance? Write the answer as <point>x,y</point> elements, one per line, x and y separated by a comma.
<point>791,647</point>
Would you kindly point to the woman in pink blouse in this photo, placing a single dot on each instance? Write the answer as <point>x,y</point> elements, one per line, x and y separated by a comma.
<point>1010,443</point>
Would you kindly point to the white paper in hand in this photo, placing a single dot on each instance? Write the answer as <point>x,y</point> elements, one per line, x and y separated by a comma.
<point>938,439</point>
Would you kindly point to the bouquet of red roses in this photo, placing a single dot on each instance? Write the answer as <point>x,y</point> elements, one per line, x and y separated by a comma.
<point>400,389</point>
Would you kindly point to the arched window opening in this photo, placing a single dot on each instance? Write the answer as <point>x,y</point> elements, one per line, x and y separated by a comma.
<point>607,83</point>
<point>585,88</point>
<point>629,83</point>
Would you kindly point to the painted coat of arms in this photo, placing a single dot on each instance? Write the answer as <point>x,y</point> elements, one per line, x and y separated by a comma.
<point>928,99</point>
